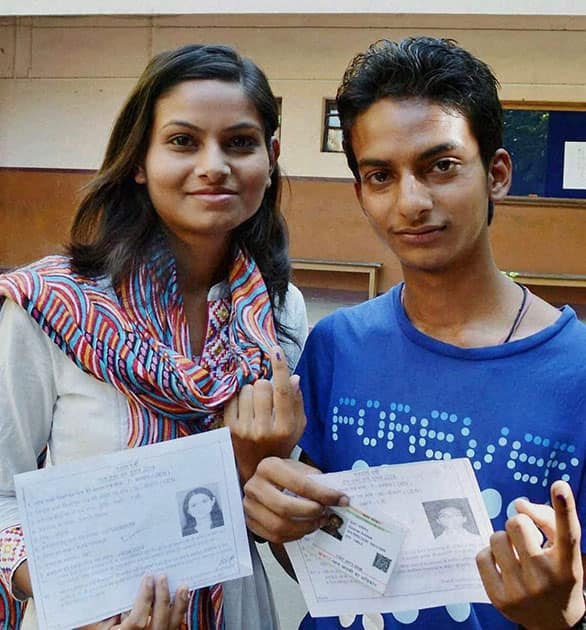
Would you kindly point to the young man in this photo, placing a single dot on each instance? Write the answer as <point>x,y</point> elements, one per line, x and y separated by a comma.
<point>457,361</point>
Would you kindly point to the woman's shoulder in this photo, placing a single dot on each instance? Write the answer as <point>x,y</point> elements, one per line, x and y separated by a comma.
<point>293,305</point>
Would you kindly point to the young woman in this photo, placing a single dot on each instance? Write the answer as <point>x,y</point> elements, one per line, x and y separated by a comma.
<point>174,293</point>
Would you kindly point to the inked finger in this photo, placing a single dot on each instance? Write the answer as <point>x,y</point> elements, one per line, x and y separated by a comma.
<point>568,530</point>
<point>282,393</point>
<point>299,409</point>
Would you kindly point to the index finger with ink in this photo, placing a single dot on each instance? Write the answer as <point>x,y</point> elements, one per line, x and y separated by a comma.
<point>568,530</point>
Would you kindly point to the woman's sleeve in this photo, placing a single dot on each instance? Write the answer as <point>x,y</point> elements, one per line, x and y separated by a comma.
<point>27,397</point>
<point>293,317</point>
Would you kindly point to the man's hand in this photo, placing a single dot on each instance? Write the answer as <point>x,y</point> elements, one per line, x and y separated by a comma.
<point>266,419</point>
<point>152,610</point>
<point>277,515</point>
<point>537,587</point>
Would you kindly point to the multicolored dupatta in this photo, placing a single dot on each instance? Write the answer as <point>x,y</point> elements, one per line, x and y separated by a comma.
<point>138,341</point>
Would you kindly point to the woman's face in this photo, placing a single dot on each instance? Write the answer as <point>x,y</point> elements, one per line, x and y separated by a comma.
<point>200,505</point>
<point>207,165</point>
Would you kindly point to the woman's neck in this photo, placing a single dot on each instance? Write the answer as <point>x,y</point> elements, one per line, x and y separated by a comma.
<point>200,265</point>
<point>204,522</point>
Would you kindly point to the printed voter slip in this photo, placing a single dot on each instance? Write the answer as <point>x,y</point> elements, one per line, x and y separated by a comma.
<point>362,546</point>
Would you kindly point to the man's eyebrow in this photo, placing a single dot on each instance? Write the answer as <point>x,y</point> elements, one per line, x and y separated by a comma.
<point>444,147</point>
<point>368,162</point>
<point>438,149</point>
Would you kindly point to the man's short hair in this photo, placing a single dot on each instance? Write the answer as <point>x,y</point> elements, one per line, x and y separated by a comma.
<point>427,68</point>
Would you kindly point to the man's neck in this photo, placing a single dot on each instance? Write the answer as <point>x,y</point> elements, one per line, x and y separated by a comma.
<point>468,307</point>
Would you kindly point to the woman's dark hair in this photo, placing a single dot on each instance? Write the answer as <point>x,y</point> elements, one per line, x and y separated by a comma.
<point>216,515</point>
<point>436,70</point>
<point>116,225</point>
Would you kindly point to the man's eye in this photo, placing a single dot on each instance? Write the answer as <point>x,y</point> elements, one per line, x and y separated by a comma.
<point>379,177</point>
<point>444,165</point>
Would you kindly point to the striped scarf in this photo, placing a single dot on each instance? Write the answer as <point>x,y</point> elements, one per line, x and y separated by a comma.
<point>138,341</point>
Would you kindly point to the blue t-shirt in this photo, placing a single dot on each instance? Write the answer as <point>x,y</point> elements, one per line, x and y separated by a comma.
<point>378,391</point>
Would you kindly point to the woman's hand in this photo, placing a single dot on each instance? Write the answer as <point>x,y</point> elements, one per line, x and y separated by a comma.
<point>152,610</point>
<point>280,516</point>
<point>538,587</point>
<point>266,419</point>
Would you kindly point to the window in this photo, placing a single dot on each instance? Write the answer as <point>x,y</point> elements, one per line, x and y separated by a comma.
<point>332,135</point>
<point>548,147</point>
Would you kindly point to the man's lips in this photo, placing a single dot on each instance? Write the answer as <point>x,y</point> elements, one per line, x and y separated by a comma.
<point>427,229</point>
<point>421,235</point>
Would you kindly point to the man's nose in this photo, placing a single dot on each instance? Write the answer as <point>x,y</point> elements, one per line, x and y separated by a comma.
<point>413,197</point>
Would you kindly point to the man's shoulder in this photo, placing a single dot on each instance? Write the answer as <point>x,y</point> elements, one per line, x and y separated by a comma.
<point>366,315</point>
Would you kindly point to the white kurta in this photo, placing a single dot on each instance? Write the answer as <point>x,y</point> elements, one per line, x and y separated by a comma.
<point>46,399</point>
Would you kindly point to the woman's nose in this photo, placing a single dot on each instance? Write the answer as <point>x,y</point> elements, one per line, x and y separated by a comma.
<point>212,164</point>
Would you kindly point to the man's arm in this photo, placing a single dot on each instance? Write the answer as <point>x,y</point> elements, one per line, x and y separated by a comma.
<point>540,588</point>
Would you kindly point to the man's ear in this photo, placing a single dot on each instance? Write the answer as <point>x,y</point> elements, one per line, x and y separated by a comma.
<point>358,193</point>
<point>140,175</point>
<point>500,172</point>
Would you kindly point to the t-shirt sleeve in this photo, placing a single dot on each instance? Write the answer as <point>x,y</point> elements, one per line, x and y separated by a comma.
<point>315,368</point>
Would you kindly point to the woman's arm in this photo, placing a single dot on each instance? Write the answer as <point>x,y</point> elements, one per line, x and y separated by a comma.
<point>266,419</point>
<point>27,397</point>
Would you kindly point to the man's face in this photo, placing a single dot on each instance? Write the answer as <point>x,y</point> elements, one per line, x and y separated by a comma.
<point>422,184</point>
<point>451,518</point>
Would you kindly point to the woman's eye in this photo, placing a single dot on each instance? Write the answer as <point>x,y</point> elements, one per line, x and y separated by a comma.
<point>182,141</point>
<point>244,142</point>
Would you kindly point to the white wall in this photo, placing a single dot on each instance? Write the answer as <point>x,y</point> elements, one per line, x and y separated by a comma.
<point>62,80</point>
<point>152,7</point>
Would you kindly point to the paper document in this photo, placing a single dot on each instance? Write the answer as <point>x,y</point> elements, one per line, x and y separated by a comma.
<point>94,528</point>
<point>574,173</point>
<point>441,504</point>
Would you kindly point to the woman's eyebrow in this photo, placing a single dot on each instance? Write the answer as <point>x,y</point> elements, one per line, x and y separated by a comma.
<point>181,123</point>
<point>240,126</point>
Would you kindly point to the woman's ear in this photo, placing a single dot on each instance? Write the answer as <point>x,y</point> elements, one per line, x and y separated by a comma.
<point>274,152</point>
<point>140,175</point>
<point>500,173</point>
